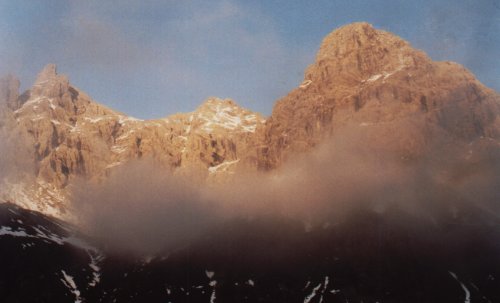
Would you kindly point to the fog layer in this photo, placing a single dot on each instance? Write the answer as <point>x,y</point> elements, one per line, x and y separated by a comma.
<point>142,208</point>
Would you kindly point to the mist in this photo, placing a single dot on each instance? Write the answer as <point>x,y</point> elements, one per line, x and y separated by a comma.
<point>6,156</point>
<point>15,159</point>
<point>141,208</point>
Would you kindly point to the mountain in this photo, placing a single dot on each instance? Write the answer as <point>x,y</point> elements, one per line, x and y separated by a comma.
<point>73,136</point>
<point>371,82</point>
<point>376,83</point>
<point>368,99</point>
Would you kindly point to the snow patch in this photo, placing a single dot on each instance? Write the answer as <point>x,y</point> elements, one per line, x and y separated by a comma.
<point>52,105</point>
<point>250,128</point>
<point>374,78</point>
<point>321,286</point>
<point>125,119</point>
<point>36,100</point>
<point>305,84</point>
<point>467,292</point>
<point>118,149</point>
<point>48,236</point>
<point>221,167</point>
<point>213,296</point>
<point>227,116</point>
<point>44,234</point>
<point>69,282</point>
<point>94,120</point>
<point>7,231</point>
<point>384,75</point>
<point>95,259</point>
<point>39,196</point>
<point>324,289</point>
<point>309,297</point>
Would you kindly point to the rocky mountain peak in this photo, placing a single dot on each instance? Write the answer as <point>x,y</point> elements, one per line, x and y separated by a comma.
<point>214,101</point>
<point>48,73</point>
<point>225,114</point>
<point>52,95</point>
<point>214,104</point>
<point>375,80</point>
<point>347,38</point>
<point>358,51</point>
<point>353,37</point>
<point>363,80</point>
<point>49,84</point>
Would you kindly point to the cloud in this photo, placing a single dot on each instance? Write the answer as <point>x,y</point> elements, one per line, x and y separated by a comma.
<point>191,51</point>
<point>229,51</point>
<point>94,37</point>
<point>142,208</point>
<point>195,36</point>
<point>15,159</point>
<point>464,32</point>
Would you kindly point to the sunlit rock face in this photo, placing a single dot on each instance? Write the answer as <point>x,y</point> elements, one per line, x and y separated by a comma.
<point>73,136</point>
<point>375,81</point>
<point>76,136</point>
<point>367,85</point>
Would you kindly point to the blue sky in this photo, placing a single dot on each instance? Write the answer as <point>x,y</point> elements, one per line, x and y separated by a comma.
<point>152,58</point>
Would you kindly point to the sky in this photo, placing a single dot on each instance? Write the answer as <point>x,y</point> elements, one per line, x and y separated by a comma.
<point>152,58</point>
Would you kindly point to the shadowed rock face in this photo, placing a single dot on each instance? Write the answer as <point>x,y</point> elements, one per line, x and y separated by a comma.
<point>368,257</point>
<point>396,99</point>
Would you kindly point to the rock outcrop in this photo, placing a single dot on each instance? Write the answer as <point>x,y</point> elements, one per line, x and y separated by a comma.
<point>400,100</point>
<point>374,80</point>
<point>74,137</point>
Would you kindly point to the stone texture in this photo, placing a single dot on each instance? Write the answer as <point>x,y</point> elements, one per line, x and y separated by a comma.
<point>400,101</point>
<point>374,80</point>
<point>77,137</point>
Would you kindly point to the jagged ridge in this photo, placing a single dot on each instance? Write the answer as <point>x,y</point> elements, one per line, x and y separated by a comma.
<point>364,78</point>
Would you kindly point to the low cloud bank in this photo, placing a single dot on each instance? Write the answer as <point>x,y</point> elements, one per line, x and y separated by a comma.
<point>141,208</point>
<point>16,162</point>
